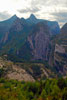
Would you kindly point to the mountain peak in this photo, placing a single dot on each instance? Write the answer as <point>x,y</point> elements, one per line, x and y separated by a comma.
<point>14,16</point>
<point>64,29</point>
<point>32,16</point>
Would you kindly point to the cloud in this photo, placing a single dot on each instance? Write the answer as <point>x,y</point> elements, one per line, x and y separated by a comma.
<point>4,15</point>
<point>44,9</point>
<point>61,17</point>
<point>29,10</point>
<point>49,2</point>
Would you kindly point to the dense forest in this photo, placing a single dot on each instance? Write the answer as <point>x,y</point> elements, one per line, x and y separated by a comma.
<point>49,89</point>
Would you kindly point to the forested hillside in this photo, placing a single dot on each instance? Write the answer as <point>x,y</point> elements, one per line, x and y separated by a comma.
<point>50,89</point>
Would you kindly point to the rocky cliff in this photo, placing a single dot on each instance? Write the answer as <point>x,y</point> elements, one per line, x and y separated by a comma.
<point>60,53</point>
<point>34,39</point>
<point>39,41</point>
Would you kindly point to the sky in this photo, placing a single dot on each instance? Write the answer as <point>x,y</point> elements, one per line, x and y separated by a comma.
<point>54,10</point>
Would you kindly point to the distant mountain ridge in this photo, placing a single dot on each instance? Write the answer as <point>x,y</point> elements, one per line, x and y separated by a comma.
<point>17,25</point>
<point>16,30</point>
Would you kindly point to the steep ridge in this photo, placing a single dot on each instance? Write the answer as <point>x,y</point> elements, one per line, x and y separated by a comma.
<point>60,54</point>
<point>55,29</point>
<point>5,26</point>
<point>17,33</point>
<point>39,41</point>
<point>32,39</point>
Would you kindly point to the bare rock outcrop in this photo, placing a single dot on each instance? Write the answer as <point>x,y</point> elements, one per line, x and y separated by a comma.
<point>39,41</point>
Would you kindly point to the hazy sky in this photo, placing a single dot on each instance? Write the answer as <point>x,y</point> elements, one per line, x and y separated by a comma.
<point>45,9</point>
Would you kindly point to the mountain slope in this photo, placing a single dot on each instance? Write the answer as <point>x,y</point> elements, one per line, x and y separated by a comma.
<point>5,26</point>
<point>60,54</point>
<point>15,36</point>
<point>35,40</point>
<point>53,25</point>
<point>24,71</point>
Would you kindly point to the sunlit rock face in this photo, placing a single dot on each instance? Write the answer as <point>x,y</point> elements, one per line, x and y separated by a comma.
<point>60,53</point>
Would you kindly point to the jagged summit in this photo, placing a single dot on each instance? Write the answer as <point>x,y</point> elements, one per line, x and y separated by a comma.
<point>14,17</point>
<point>32,16</point>
<point>32,19</point>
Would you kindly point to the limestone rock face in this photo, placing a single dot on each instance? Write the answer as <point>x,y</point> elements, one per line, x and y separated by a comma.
<point>15,72</point>
<point>39,42</point>
<point>60,53</point>
<point>59,48</point>
<point>19,74</point>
